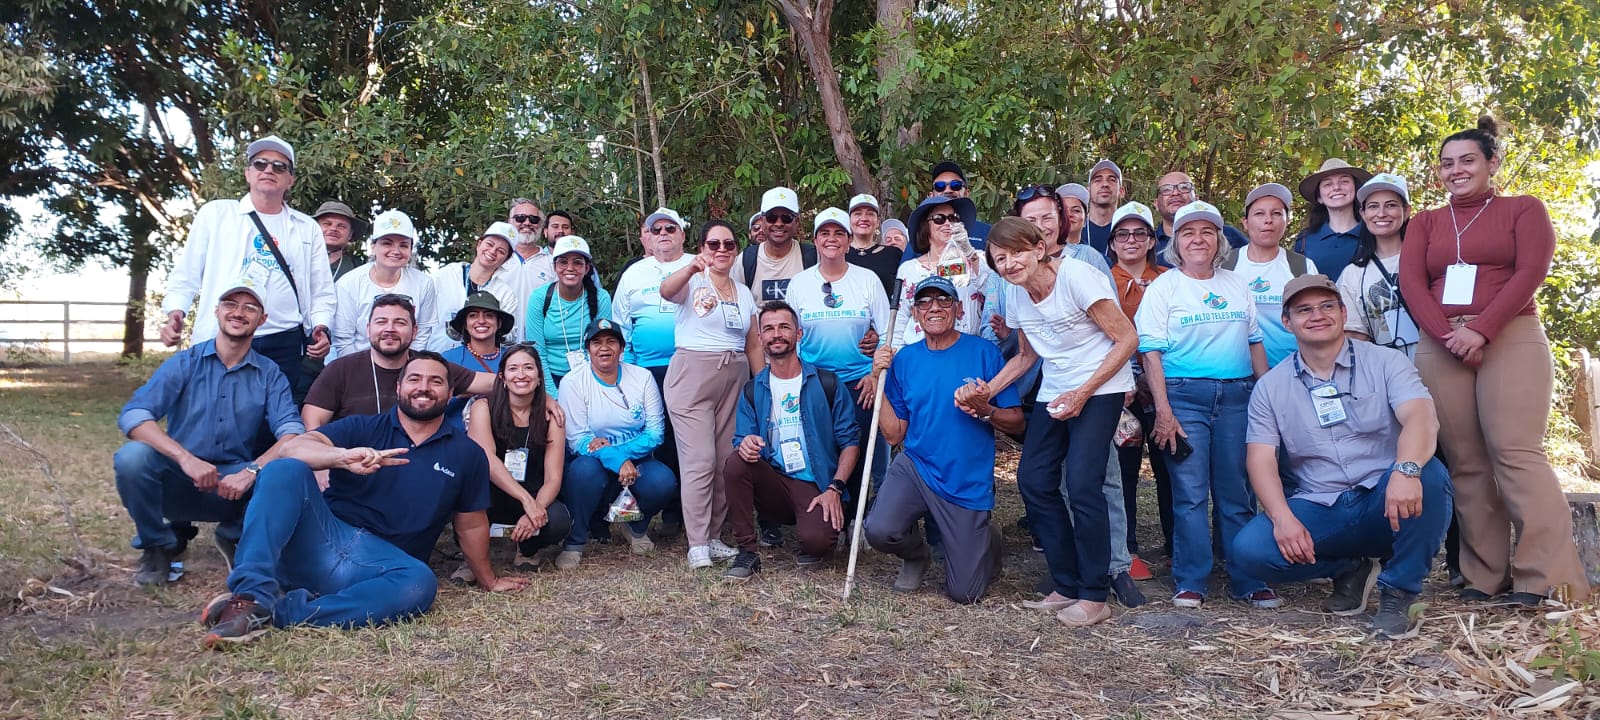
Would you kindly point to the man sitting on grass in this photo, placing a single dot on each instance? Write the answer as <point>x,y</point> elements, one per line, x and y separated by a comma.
<point>357,555</point>
<point>223,403</point>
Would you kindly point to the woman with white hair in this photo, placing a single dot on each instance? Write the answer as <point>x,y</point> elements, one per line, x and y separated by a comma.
<point>391,271</point>
<point>1202,353</point>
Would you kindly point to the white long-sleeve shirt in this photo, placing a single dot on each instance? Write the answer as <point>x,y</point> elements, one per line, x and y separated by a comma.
<point>357,291</point>
<point>450,295</point>
<point>224,247</point>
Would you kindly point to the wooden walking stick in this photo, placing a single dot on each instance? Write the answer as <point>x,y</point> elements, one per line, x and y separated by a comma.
<point>872,443</point>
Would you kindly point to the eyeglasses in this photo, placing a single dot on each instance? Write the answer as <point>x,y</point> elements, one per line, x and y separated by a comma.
<point>1326,307</point>
<point>530,219</point>
<point>1171,188</point>
<point>779,218</point>
<point>667,229</point>
<point>571,260</point>
<point>1139,235</point>
<point>250,308</point>
<point>954,185</point>
<point>720,244</point>
<point>261,165</point>
<point>927,302</point>
<point>1034,192</point>
<point>943,218</point>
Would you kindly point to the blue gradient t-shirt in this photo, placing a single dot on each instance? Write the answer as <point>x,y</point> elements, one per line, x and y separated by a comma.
<point>833,322</point>
<point>1202,328</point>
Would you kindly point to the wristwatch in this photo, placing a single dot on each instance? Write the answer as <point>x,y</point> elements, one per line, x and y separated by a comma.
<point>837,486</point>
<point>253,469</point>
<point>1409,469</point>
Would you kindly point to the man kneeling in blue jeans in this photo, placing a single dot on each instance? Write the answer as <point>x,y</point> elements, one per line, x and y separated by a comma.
<point>1359,430</point>
<point>357,554</point>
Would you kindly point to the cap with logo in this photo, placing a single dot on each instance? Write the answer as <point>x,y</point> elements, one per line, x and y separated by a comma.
<point>862,200</point>
<point>568,244</point>
<point>935,282</point>
<point>1197,210</point>
<point>667,214</point>
<point>1136,210</point>
<point>393,222</point>
<point>602,326</point>
<point>246,285</point>
<point>780,197</point>
<point>1385,181</point>
<point>831,215</point>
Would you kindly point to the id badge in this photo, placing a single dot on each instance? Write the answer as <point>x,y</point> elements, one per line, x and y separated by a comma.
<point>1330,409</point>
<point>575,360</point>
<point>730,316</point>
<point>665,306</point>
<point>517,464</point>
<point>793,459</point>
<point>1459,281</point>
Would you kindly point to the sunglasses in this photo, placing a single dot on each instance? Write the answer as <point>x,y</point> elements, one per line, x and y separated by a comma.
<point>828,298</point>
<point>779,218</point>
<point>534,219</point>
<point>261,165</point>
<point>943,218</point>
<point>956,185</point>
<point>664,229</point>
<point>1033,192</point>
<point>928,301</point>
<point>720,244</point>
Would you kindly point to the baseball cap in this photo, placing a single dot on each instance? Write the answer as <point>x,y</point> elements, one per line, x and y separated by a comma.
<point>753,219</point>
<point>863,199</point>
<point>1104,165</point>
<point>601,325</point>
<point>1197,210</point>
<point>780,197</point>
<point>935,282</point>
<point>1385,181</point>
<point>1135,209</point>
<point>946,167</point>
<point>393,222</point>
<point>1313,281</point>
<point>270,142</point>
<point>665,214</point>
<point>831,215</point>
<point>1269,190</point>
<point>1074,190</point>
<point>571,244</point>
<point>500,229</point>
<point>244,284</point>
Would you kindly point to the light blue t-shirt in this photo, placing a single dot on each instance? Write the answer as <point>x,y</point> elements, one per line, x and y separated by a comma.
<point>558,334</point>
<point>1266,282</point>
<point>953,451</point>
<point>1202,328</point>
<point>833,324</point>
<point>649,321</point>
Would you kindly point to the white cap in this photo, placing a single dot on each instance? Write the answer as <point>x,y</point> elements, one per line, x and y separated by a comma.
<point>863,199</point>
<point>393,222</point>
<point>780,197</point>
<point>270,142</point>
<point>1269,190</point>
<point>753,219</point>
<point>244,284</point>
<point>1197,210</point>
<point>831,215</point>
<point>1074,190</point>
<point>1385,181</point>
<point>659,214</point>
<point>1133,210</point>
<point>571,244</point>
<point>1104,165</point>
<point>502,230</point>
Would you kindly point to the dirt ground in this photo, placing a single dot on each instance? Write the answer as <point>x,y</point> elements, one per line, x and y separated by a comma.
<point>629,637</point>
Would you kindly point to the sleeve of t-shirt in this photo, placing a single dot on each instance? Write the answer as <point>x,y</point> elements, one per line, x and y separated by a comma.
<point>345,313</point>
<point>282,415</point>
<point>878,305</point>
<point>1262,425</point>
<point>1311,267</point>
<point>474,493</point>
<point>1255,326</point>
<point>893,391</point>
<point>352,431</point>
<point>324,391</point>
<point>1087,288</point>
<point>1400,374</point>
<point>576,409</point>
<point>460,378</point>
<point>1151,319</point>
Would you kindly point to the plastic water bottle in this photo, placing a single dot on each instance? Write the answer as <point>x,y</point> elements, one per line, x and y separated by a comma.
<point>954,262</point>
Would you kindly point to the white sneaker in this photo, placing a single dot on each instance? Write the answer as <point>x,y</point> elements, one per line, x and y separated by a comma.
<point>719,551</point>
<point>699,557</point>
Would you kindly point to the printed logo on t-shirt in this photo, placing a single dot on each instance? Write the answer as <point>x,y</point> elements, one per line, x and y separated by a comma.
<point>442,469</point>
<point>775,289</point>
<point>791,402</point>
<point>1215,301</point>
<point>1260,285</point>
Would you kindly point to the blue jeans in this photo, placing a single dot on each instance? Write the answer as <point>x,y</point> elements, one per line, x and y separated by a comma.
<point>588,488</point>
<point>1353,528</point>
<point>1212,414</point>
<point>155,492</point>
<point>300,561</point>
<point>1074,529</point>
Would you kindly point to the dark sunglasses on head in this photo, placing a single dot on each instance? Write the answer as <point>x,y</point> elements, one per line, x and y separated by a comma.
<point>535,219</point>
<point>664,229</point>
<point>956,185</point>
<point>1033,192</point>
<point>943,218</point>
<point>779,218</point>
<point>720,244</point>
<point>261,165</point>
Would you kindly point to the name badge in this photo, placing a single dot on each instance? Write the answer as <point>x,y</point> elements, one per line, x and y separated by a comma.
<point>575,360</point>
<point>517,464</point>
<point>793,459</point>
<point>731,319</point>
<point>1459,281</point>
<point>1330,408</point>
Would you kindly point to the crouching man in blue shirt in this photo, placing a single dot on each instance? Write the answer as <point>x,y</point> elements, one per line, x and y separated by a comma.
<point>222,401</point>
<point>947,466</point>
<point>357,554</point>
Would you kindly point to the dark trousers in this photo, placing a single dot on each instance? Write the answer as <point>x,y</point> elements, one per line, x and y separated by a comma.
<point>972,553</point>
<point>1076,538</point>
<point>504,509</point>
<point>759,487</point>
<point>1129,458</point>
<point>287,349</point>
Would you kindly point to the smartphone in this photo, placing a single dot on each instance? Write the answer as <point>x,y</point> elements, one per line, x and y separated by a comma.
<point>1184,449</point>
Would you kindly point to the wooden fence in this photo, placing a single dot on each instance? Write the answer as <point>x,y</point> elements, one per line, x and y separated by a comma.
<point>65,323</point>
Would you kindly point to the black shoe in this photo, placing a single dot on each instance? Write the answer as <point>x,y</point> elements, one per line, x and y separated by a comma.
<point>1524,599</point>
<point>1126,591</point>
<point>1350,589</point>
<point>1393,618</point>
<point>744,567</point>
<point>771,537</point>
<point>239,620</point>
<point>1474,595</point>
<point>911,572</point>
<point>807,562</point>
<point>155,564</point>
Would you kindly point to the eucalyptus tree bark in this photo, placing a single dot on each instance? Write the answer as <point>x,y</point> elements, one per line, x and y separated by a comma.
<point>896,77</point>
<point>811,25</point>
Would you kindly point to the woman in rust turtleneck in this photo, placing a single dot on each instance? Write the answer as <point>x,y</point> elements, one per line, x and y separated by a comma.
<point>1469,272</point>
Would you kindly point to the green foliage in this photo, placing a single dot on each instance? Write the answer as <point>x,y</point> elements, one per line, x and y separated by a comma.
<point>1567,299</point>
<point>1568,658</point>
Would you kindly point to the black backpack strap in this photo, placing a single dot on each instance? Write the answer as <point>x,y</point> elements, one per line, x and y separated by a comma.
<point>549,292</point>
<point>277,254</point>
<point>1232,261</point>
<point>1297,263</point>
<point>808,258</point>
<point>830,383</point>
<point>749,260</point>
<point>1394,284</point>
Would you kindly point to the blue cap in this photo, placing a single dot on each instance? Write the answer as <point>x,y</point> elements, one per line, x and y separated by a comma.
<point>935,282</point>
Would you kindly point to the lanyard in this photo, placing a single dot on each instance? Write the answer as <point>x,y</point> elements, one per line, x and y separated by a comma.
<point>1298,368</point>
<point>1462,230</point>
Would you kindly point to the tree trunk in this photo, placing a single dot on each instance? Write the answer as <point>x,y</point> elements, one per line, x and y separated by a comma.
<point>138,281</point>
<point>655,134</point>
<point>811,29</point>
<point>896,77</point>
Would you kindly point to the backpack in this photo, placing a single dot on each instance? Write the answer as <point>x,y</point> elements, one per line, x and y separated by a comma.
<point>1297,262</point>
<point>808,258</point>
<point>590,297</point>
<point>830,383</point>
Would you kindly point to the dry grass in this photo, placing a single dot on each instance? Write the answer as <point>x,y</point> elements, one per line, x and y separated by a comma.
<point>629,637</point>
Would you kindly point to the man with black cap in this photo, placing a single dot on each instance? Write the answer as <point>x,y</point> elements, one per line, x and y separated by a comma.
<point>482,326</point>
<point>1105,194</point>
<point>947,466</point>
<point>338,223</point>
<point>1358,428</point>
<point>276,248</point>
<point>949,181</point>
<point>217,397</point>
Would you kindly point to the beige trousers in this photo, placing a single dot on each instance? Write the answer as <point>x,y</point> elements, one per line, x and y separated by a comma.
<point>702,397</point>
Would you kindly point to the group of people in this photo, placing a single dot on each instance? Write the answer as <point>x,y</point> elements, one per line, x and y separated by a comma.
<point>1299,399</point>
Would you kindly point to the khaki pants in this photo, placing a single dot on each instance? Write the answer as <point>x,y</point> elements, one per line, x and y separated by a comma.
<point>1492,423</point>
<point>702,397</point>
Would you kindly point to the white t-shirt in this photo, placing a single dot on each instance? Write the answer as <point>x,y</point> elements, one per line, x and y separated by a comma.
<point>1202,328</point>
<point>786,423</point>
<point>1372,306</point>
<point>356,291</point>
<point>1266,281</point>
<point>708,323</point>
<point>833,325</point>
<point>978,301</point>
<point>1060,330</point>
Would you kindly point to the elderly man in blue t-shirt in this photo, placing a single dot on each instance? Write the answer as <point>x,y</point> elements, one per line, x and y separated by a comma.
<point>357,554</point>
<point>947,467</point>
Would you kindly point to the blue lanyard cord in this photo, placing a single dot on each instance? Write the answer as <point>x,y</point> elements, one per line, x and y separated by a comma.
<point>1350,347</point>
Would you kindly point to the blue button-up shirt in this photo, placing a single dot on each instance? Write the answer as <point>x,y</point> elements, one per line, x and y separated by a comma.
<point>214,411</point>
<point>1330,250</point>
